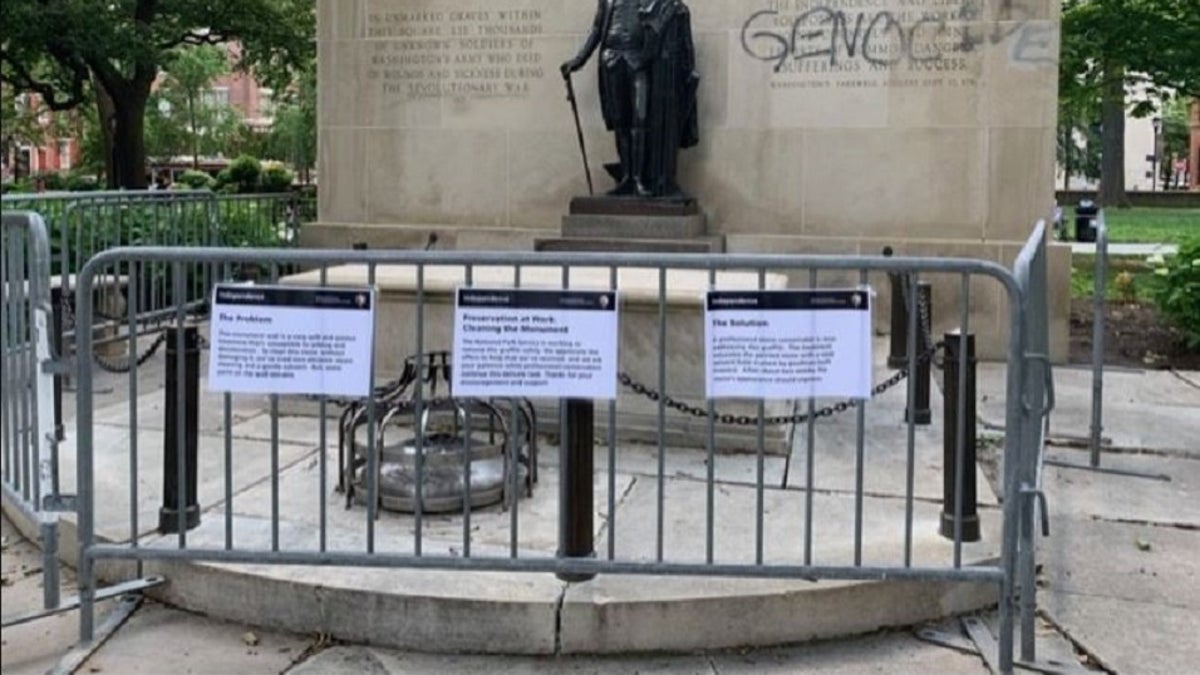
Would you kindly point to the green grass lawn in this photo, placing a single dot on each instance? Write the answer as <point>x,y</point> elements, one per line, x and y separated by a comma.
<point>1137,284</point>
<point>1150,225</point>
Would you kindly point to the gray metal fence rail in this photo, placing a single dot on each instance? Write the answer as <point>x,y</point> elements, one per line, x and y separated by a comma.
<point>1028,400</point>
<point>1099,317</point>
<point>1036,401</point>
<point>30,476</point>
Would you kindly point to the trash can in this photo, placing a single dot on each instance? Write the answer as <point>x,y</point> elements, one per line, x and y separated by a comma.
<point>1085,220</point>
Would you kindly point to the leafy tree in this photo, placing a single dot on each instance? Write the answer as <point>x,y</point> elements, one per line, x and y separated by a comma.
<point>61,48</point>
<point>189,75</point>
<point>1078,131</point>
<point>1112,48</point>
<point>293,135</point>
<point>246,140</point>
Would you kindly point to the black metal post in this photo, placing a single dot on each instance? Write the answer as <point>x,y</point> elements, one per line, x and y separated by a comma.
<point>898,352</point>
<point>919,409</point>
<point>575,510</point>
<point>898,342</point>
<point>955,343</point>
<point>56,335</point>
<point>168,515</point>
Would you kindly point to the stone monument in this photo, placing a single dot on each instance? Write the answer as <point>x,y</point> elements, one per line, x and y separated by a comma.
<point>825,126</point>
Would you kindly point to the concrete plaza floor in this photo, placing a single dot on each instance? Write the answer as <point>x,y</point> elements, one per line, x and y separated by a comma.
<point>1119,582</point>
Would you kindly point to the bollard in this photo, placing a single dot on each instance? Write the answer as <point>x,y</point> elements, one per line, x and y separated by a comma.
<point>168,516</point>
<point>575,490</point>
<point>922,414</point>
<point>953,412</point>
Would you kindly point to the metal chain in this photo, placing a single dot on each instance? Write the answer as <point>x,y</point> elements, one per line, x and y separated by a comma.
<point>924,323</point>
<point>125,366</point>
<point>753,420</point>
<point>122,367</point>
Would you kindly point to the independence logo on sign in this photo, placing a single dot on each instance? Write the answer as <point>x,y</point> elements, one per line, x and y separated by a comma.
<point>788,344</point>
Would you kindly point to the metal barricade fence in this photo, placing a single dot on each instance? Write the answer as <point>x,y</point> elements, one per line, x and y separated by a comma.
<point>1095,440</point>
<point>81,224</point>
<point>30,476</point>
<point>1036,401</point>
<point>1099,317</point>
<point>1023,289</point>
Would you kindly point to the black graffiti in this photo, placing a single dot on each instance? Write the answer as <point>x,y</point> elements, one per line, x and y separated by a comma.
<point>883,39</point>
<point>829,35</point>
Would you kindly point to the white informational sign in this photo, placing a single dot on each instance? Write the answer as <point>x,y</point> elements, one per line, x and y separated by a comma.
<point>788,344</point>
<point>535,343</point>
<point>291,340</point>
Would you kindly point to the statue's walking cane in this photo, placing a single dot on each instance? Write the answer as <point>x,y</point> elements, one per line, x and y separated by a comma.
<point>579,130</point>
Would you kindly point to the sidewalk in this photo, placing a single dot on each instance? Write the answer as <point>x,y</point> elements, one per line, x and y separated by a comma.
<point>1119,579</point>
<point>1087,248</point>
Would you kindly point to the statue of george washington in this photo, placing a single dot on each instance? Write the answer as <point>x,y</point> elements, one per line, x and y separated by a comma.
<point>647,90</point>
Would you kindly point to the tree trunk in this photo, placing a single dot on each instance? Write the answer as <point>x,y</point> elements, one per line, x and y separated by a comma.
<point>107,115</point>
<point>129,142</point>
<point>1067,150</point>
<point>1112,159</point>
<point>195,133</point>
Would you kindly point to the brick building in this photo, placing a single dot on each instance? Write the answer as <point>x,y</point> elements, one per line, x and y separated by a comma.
<point>48,153</point>
<point>1194,147</point>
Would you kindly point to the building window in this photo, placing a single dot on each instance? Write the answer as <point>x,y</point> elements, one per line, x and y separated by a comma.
<point>218,96</point>
<point>266,102</point>
<point>64,154</point>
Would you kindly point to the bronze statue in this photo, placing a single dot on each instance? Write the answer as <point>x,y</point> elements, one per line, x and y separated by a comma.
<point>647,90</point>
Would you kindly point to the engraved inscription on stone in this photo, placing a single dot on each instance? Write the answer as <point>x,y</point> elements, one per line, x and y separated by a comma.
<point>462,54</point>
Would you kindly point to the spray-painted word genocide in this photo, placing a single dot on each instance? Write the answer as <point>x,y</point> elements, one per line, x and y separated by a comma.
<point>924,38</point>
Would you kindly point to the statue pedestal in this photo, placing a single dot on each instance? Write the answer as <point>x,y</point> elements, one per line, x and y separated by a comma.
<point>602,223</point>
<point>632,225</point>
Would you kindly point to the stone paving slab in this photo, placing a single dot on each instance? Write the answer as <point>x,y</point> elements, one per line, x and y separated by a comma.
<point>111,467</point>
<point>1083,493</point>
<point>369,661</point>
<point>784,520</point>
<point>1140,563</point>
<point>157,638</point>
<point>299,504</point>
<point>210,409</point>
<point>1127,636</point>
<point>1144,410</point>
<point>882,653</point>
<point>33,648</point>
